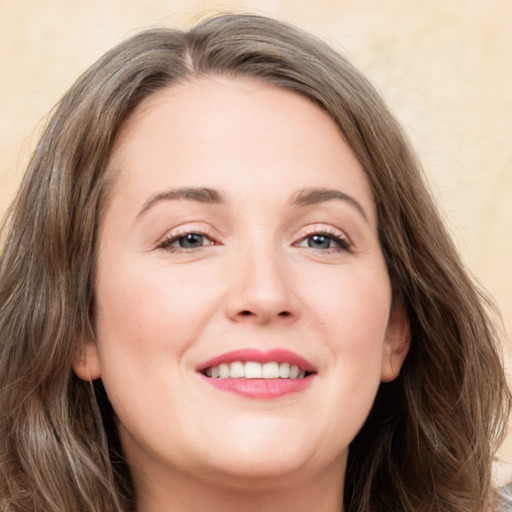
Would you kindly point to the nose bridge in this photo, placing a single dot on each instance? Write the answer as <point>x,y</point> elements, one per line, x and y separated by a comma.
<point>261,287</point>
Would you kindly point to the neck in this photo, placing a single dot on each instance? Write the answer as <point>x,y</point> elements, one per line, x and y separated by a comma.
<point>322,492</point>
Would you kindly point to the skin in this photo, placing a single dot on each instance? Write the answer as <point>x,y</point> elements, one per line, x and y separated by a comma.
<point>259,281</point>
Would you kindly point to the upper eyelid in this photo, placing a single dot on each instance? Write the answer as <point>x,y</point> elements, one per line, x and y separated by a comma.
<point>206,230</point>
<point>177,233</point>
<point>313,229</point>
<point>328,230</point>
<point>181,231</point>
<point>177,236</point>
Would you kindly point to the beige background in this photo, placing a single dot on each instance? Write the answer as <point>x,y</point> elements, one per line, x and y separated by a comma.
<point>445,67</point>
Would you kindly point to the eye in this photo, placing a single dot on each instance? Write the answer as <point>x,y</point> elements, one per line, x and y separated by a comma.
<point>186,241</point>
<point>327,242</point>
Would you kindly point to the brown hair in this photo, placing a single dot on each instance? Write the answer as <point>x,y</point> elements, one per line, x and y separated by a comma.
<point>428,442</point>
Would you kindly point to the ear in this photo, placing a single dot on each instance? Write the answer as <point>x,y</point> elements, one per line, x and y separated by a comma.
<point>87,361</point>
<point>396,344</point>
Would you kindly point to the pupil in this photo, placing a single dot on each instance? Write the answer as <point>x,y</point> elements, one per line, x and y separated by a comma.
<point>319,242</point>
<point>190,241</point>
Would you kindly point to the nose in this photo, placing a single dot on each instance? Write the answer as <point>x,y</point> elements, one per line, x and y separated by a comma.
<point>262,290</point>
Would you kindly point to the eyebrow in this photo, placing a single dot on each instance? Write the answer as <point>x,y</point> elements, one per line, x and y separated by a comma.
<point>303,197</point>
<point>200,195</point>
<point>311,196</point>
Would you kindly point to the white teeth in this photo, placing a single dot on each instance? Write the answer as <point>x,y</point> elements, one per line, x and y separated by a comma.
<point>223,371</point>
<point>236,370</point>
<point>284,370</point>
<point>254,370</point>
<point>270,371</point>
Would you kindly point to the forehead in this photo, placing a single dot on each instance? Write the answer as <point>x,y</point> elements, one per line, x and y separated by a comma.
<point>235,134</point>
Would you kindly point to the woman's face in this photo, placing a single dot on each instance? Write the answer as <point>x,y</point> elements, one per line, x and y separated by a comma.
<point>240,238</point>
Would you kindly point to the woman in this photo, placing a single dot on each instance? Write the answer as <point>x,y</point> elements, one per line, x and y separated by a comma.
<point>224,286</point>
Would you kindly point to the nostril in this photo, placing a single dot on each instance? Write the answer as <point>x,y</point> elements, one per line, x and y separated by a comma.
<point>249,313</point>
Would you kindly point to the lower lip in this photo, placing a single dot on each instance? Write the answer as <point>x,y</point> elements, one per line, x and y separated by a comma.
<point>261,388</point>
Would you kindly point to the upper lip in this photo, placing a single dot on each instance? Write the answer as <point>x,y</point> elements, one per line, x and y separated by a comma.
<point>260,356</point>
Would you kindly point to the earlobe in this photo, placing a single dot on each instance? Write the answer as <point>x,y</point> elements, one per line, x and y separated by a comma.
<point>87,362</point>
<point>396,344</point>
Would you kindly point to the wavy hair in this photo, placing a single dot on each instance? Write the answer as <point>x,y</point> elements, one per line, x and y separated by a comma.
<point>428,442</point>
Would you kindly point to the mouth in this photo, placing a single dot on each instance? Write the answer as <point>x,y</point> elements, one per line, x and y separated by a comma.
<point>258,374</point>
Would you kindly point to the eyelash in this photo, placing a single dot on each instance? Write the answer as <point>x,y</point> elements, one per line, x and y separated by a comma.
<point>342,243</point>
<point>176,236</point>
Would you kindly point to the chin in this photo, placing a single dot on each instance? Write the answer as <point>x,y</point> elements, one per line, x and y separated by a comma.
<point>259,455</point>
<point>272,470</point>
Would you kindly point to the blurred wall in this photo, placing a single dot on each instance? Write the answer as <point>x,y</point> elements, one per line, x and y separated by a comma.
<point>445,67</point>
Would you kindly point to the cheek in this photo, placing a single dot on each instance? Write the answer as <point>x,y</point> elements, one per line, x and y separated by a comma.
<point>138,311</point>
<point>351,309</point>
<point>353,301</point>
<point>146,320</point>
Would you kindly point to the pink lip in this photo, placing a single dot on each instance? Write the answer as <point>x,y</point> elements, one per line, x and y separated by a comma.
<point>260,388</point>
<point>259,356</point>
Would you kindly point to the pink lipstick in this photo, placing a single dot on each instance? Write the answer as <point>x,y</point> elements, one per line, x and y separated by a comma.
<point>258,374</point>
